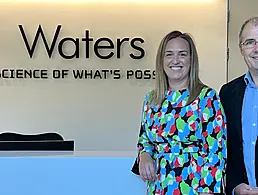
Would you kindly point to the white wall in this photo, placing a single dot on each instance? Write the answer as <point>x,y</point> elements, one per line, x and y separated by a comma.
<point>100,115</point>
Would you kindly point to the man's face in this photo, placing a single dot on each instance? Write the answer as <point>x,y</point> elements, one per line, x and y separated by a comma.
<point>249,46</point>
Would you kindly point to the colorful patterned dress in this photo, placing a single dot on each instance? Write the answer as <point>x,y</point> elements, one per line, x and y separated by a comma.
<point>187,143</point>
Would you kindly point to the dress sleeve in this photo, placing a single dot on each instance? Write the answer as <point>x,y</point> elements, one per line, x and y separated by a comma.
<point>144,144</point>
<point>214,142</point>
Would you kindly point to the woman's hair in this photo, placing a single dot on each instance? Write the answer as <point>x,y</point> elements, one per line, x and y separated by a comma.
<point>195,85</point>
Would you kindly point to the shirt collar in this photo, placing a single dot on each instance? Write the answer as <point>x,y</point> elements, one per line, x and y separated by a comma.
<point>248,80</point>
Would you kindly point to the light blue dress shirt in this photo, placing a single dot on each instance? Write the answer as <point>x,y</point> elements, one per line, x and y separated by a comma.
<point>250,127</point>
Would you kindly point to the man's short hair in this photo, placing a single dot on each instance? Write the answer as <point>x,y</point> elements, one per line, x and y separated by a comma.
<point>252,20</point>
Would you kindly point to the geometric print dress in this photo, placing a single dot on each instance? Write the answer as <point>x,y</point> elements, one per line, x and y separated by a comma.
<point>186,142</point>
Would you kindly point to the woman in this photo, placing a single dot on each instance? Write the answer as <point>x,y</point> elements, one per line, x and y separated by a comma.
<point>182,141</point>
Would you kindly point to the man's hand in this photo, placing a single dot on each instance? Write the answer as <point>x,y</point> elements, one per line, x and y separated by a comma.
<point>244,189</point>
<point>146,167</point>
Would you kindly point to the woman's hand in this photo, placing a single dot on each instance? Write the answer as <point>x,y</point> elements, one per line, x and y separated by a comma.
<point>146,167</point>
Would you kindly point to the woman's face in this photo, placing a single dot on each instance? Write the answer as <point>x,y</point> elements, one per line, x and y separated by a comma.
<point>177,59</point>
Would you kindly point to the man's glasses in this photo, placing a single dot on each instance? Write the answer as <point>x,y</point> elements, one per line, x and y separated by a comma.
<point>249,43</point>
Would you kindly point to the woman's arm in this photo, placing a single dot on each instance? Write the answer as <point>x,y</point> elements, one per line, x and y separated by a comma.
<point>144,144</point>
<point>214,145</point>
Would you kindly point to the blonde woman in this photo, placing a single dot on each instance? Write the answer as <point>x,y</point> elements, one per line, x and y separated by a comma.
<point>182,141</point>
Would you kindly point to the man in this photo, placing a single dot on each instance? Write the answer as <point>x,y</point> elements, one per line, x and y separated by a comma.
<point>240,101</point>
